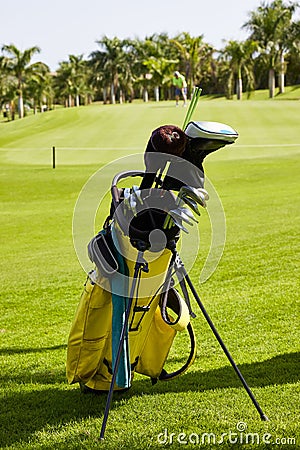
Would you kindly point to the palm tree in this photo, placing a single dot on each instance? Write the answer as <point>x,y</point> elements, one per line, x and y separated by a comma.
<point>40,88</point>
<point>62,88</point>
<point>7,89</point>
<point>71,80</point>
<point>160,71</point>
<point>77,71</point>
<point>3,79</point>
<point>270,25</point>
<point>293,56</point>
<point>193,53</point>
<point>19,65</point>
<point>111,63</point>
<point>156,61</point>
<point>239,57</point>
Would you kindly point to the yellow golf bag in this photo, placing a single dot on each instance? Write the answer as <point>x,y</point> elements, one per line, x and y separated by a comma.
<point>157,312</point>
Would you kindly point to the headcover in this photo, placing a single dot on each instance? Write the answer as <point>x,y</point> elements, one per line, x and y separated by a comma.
<point>170,144</point>
<point>205,138</point>
<point>168,139</point>
<point>165,140</point>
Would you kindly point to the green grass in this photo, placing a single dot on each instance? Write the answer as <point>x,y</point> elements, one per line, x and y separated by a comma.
<point>252,298</point>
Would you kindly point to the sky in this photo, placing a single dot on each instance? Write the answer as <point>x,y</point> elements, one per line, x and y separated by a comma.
<point>64,27</point>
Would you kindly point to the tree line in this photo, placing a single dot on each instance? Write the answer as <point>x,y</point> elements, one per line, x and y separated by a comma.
<point>121,70</point>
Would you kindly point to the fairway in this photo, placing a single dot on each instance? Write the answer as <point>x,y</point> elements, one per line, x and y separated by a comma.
<point>252,297</point>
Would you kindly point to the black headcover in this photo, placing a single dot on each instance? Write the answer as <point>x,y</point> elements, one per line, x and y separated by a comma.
<point>164,141</point>
<point>170,144</point>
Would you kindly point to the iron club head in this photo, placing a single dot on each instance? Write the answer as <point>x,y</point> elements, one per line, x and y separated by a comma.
<point>177,222</point>
<point>179,214</point>
<point>188,213</point>
<point>192,204</point>
<point>195,194</point>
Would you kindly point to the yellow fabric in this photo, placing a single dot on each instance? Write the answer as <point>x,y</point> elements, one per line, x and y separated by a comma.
<point>158,263</point>
<point>184,318</point>
<point>89,342</point>
<point>89,354</point>
<point>89,335</point>
<point>156,348</point>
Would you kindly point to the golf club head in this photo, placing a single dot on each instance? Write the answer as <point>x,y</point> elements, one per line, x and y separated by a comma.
<point>126,202</point>
<point>178,222</point>
<point>204,192</point>
<point>194,194</point>
<point>212,131</point>
<point>188,213</point>
<point>132,203</point>
<point>192,204</point>
<point>137,193</point>
<point>178,214</point>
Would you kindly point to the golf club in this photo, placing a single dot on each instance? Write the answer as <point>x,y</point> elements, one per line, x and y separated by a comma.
<point>137,193</point>
<point>176,219</point>
<point>188,213</point>
<point>195,194</point>
<point>193,104</point>
<point>180,215</point>
<point>192,204</point>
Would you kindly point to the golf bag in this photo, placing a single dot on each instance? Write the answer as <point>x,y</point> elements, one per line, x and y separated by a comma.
<point>135,265</point>
<point>130,309</point>
<point>96,330</point>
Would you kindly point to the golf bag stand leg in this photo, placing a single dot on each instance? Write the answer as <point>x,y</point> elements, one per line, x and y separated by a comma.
<point>140,263</point>
<point>180,269</point>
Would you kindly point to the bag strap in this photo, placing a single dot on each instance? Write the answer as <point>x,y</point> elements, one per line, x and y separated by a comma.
<point>171,299</point>
<point>165,376</point>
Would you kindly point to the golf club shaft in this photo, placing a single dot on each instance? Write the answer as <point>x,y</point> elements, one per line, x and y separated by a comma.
<point>191,109</point>
<point>189,112</point>
<point>120,346</point>
<point>219,339</point>
<point>168,220</point>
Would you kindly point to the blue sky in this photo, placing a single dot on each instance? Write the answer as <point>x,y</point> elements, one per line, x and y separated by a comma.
<point>63,27</point>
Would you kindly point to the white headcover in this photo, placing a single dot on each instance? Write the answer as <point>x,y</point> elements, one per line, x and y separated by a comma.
<point>211,130</point>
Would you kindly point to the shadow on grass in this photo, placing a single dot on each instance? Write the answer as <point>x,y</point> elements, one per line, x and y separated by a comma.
<point>25,413</point>
<point>17,351</point>
<point>279,370</point>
